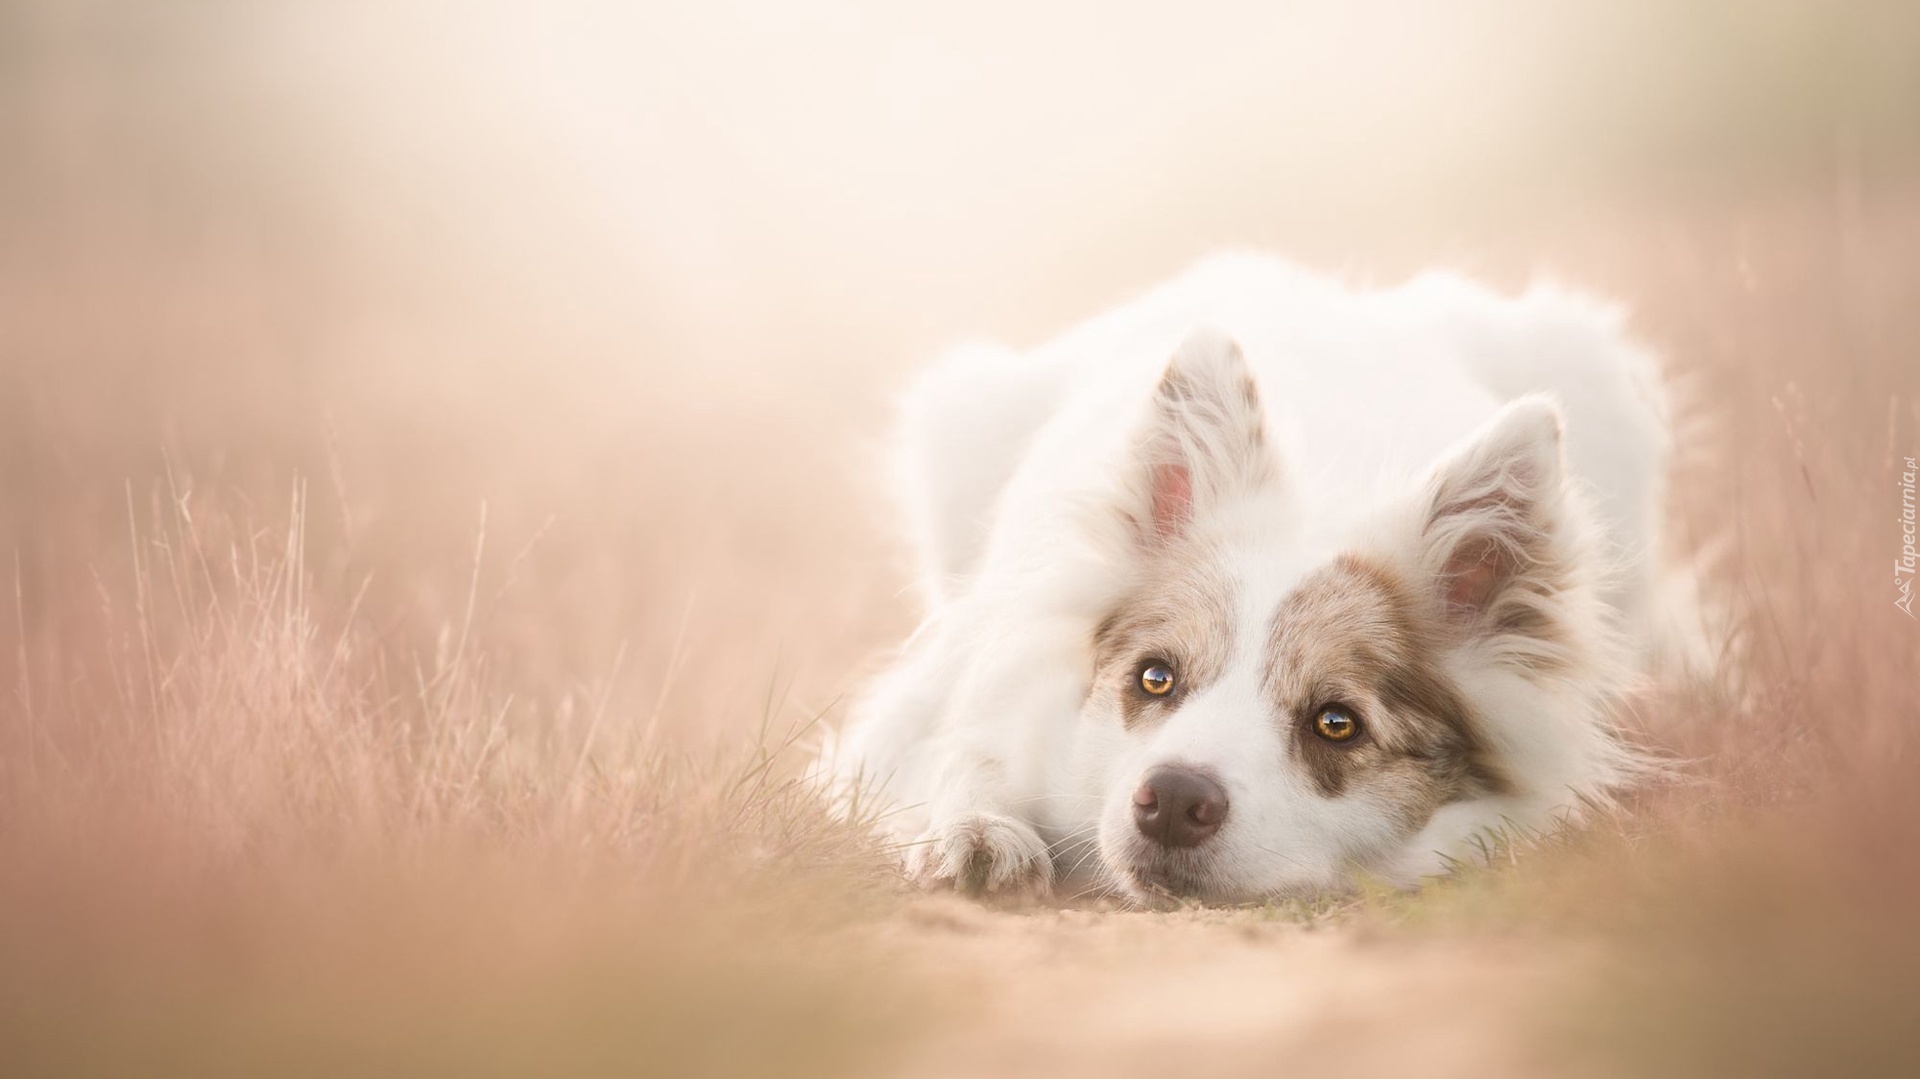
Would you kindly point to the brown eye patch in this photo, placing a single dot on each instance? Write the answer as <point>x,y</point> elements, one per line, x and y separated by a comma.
<point>1352,632</point>
<point>1179,617</point>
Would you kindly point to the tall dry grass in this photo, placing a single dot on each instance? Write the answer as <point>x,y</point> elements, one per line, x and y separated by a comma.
<point>246,831</point>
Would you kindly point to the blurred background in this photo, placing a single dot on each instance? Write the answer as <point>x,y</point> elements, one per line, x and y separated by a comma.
<point>641,277</point>
<point>570,326</point>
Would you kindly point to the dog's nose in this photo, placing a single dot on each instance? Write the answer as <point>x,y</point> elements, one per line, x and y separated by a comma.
<point>1178,807</point>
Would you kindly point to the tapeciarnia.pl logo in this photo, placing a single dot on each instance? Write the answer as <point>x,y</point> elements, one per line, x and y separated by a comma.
<point>1904,565</point>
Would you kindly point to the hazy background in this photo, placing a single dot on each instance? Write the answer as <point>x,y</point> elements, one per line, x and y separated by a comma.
<point>648,272</point>
<point>569,327</point>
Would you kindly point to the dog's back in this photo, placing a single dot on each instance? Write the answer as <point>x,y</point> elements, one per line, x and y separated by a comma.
<point>1385,380</point>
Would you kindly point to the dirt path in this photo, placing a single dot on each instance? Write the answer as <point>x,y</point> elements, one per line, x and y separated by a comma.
<point>1220,993</point>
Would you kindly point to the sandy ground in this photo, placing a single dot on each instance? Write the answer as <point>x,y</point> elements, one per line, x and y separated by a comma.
<point>1084,993</point>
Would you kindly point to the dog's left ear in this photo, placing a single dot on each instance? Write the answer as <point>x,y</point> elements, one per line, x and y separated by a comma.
<point>1204,440</point>
<point>1492,514</point>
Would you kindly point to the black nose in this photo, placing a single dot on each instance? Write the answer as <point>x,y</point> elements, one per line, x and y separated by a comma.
<point>1178,807</point>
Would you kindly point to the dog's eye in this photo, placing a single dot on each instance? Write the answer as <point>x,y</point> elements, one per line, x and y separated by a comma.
<point>1156,679</point>
<point>1336,724</point>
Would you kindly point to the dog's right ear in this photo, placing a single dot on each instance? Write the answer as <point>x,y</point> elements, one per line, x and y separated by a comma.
<point>1204,441</point>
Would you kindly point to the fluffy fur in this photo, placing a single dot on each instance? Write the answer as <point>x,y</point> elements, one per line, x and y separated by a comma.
<point>1433,507</point>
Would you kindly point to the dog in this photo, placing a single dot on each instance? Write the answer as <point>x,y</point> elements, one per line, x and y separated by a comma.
<point>1261,585</point>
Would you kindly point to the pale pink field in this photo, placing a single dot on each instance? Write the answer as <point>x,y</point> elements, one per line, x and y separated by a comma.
<point>438,502</point>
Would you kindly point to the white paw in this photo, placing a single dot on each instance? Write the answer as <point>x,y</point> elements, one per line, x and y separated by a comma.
<point>982,853</point>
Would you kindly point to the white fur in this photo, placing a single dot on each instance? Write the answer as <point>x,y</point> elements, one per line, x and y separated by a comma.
<point>1017,475</point>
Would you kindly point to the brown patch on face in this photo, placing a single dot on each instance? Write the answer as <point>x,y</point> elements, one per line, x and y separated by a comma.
<point>1180,614</point>
<point>1354,635</point>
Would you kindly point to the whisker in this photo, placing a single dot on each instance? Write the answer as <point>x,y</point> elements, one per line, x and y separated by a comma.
<point>1288,858</point>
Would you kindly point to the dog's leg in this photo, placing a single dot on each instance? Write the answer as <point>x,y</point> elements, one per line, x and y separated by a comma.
<point>916,745</point>
<point>1018,696</point>
<point>974,843</point>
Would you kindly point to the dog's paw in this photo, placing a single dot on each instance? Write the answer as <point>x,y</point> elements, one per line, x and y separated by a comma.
<point>982,853</point>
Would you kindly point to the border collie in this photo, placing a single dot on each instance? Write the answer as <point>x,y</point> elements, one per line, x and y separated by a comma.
<point>1260,583</point>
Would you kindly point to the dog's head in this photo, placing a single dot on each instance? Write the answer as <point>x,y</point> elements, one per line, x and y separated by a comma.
<point>1276,703</point>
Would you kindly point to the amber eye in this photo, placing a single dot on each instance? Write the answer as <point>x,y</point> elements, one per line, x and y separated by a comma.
<point>1335,724</point>
<point>1156,679</point>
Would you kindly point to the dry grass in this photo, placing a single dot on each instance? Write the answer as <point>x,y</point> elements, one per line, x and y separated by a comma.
<point>242,836</point>
<point>432,530</point>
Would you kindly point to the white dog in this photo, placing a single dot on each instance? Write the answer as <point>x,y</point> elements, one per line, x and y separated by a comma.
<point>1259,582</point>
